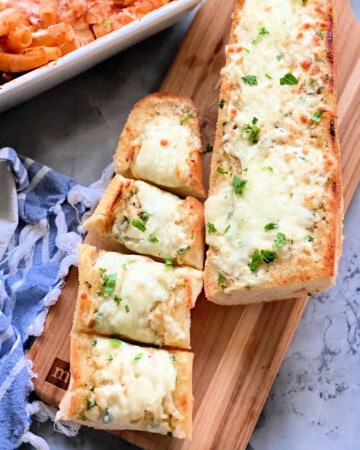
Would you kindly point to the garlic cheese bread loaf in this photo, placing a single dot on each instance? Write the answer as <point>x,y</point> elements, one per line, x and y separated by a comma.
<point>160,143</point>
<point>134,297</point>
<point>274,212</point>
<point>115,385</point>
<point>150,221</point>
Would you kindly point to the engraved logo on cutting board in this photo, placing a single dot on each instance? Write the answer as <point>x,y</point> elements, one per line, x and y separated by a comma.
<point>59,374</point>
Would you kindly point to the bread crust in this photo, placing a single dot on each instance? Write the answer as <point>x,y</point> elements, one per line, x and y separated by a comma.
<point>146,111</point>
<point>143,313</point>
<point>181,224</point>
<point>86,402</point>
<point>309,270</point>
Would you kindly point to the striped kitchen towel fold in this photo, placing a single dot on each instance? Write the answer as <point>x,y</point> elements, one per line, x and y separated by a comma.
<point>41,212</point>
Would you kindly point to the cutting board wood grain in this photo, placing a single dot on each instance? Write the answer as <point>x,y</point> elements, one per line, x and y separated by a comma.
<point>238,350</point>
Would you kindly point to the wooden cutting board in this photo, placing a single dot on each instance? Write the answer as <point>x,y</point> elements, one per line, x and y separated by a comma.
<point>238,350</point>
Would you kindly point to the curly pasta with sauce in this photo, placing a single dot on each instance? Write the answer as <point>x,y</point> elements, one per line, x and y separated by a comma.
<point>35,32</point>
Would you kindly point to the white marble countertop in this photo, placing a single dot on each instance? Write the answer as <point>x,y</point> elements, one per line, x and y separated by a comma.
<point>74,128</point>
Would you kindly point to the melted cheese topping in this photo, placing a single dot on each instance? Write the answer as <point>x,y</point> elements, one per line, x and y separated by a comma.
<point>172,143</point>
<point>286,166</point>
<point>133,386</point>
<point>165,232</point>
<point>142,285</point>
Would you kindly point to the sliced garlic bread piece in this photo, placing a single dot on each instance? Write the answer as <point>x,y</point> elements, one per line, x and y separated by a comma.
<point>150,221</point>
<point>134,297</point>
<point>161,144</point>
<point>115,385</point>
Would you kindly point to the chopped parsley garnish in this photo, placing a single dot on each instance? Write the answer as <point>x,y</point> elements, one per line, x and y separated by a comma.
<point>310,238</point>
<point>169,433</point>
<point>107,23</point>
<point>127,309</point>
<point>211,228</point>
<point>279,57</point>
<point>271,226</point>
<point>137,358</point>
<point>252,131</point>
<point>186,116</point>
<point>208,148</point>
<point>317,116</point>
<point>239,185</point>
<point>87,284</point>
<point>268,76</point>
<point>153,239</point>
<point>168,261</point>
<point>115,342</point>
<point>139,225</point>
<point>280,240</point>
<point>267,256</point>
<point>255,261</point>
<point>172,357</point>
<point>144,216</point>
<point>246,50</point>
<point>221,171</point>
<point>269,168</point>
<point>227,229</point>
<point>109,357</point>
<point>125,220</point>
<point>320,34</point>
<point>109,282</point>
<point>93,343</point>
<point>250,79</point>
<point>90,403</point>
<point>102,271</point>
<point>221,279</point>
<point>182,250</point>
<point>288,79</point>
<point>261,33</point>
<point>221,103</point>
<point>117,300</point>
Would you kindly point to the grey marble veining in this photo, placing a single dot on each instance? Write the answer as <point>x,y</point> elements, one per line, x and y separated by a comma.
<point>74,128</point>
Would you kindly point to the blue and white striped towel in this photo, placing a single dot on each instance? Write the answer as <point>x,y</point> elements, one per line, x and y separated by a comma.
<point>41,212</point>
